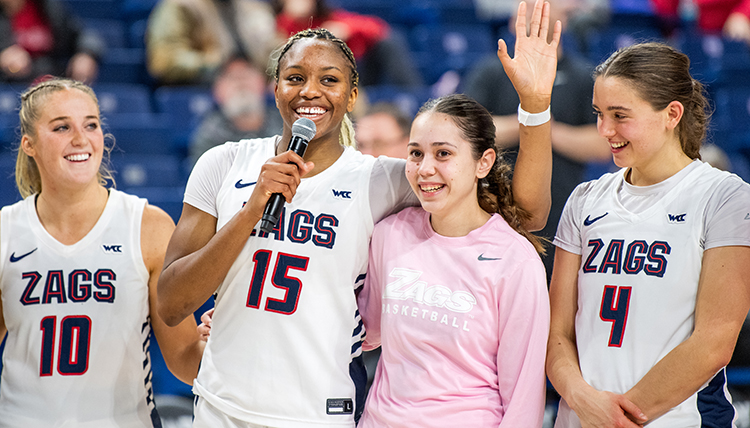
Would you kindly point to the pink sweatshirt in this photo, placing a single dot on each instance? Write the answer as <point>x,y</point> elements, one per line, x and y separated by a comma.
<point>463,324</point>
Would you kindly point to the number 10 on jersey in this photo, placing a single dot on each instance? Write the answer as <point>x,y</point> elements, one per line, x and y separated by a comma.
<point>73,348</point>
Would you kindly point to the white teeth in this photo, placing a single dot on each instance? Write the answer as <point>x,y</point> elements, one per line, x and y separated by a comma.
<point>78,157</point>
<point>311,110</point>
<point>618,145</point>
<point>431,188</point>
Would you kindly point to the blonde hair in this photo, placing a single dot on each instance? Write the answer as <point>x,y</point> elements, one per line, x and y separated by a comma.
<point>346,137</point>
<point>33,100</point>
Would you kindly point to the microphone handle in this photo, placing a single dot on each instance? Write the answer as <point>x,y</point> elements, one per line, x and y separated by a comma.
<point>275,204</point>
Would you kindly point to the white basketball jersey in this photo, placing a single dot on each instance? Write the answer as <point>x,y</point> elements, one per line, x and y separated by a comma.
<point>286,328</point>
<point>77,319</point>
<point>637,287</point>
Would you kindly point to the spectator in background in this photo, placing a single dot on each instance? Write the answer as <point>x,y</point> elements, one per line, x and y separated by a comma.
<point>40,37</point>
<point>382,57</point>
<point>187,41</point>
<point>383,130</point>
<point>728,17</point>
<point>575,140</point>
<point>591,15</point>
<point>240,91</point>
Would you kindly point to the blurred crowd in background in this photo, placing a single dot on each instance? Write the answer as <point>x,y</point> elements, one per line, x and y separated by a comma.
<point>177,77</point>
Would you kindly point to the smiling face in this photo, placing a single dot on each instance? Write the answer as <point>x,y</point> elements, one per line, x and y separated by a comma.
<point>314,81</point>
<point>639,136</point>
<point>442,170</point>
<point>68,144</point>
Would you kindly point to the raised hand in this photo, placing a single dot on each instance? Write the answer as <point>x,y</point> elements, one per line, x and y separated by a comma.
<point>533,69</point>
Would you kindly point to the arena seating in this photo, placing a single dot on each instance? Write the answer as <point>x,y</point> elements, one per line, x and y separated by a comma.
<point>152,125</point>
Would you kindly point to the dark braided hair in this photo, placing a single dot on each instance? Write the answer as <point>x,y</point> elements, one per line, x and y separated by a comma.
<point>317,34</point>
<point>346,136</point>
<point>494,192</point>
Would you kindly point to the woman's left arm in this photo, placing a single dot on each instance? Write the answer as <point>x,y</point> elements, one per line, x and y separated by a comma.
<point>532,72</point>
<point>180,345</point>
<point>722,304</point>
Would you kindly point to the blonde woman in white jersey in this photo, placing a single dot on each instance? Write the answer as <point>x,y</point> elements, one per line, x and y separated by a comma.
<point>78,270</point>
<point>650,285</point>
<point>285,347</point>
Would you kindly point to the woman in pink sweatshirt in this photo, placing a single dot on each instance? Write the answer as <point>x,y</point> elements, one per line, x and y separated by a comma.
<point>455,292</point>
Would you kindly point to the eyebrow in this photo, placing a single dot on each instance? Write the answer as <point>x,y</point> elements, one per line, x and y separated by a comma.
<point>611,108</point>
<point>435,144</point>
<point>331,67</point>
<point>68,117</point>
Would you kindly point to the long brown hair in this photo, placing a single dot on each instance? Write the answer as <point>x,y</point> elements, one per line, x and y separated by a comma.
<point>494,192</point>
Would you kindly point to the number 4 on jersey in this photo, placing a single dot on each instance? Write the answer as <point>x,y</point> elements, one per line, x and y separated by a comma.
<point>615,310</point>
<point>279,279</point>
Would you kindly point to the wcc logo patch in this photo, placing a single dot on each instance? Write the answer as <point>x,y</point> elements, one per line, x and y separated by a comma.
<point>342,194</point>
<point>676,218</point>
<point>112,249</point>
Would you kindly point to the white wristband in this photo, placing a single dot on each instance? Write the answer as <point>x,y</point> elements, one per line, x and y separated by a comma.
<point>533,119</point>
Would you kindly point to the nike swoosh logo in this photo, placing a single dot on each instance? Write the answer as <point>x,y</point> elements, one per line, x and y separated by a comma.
<point>589,221</point>
<point>239,184</point>
<point>14,259</point>
<point>482,258</point>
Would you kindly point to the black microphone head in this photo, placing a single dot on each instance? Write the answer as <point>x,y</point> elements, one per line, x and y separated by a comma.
<point>304,128</point>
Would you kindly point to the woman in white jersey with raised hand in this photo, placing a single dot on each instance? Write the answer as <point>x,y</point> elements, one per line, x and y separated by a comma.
<point>650,286</point>
<point>79,265</point>
<point>285,348</point>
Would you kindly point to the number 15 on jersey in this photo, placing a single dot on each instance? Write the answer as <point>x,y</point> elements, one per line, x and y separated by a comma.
<point>279,278</point>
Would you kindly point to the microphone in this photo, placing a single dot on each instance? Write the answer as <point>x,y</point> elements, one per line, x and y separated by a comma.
<point>303,130</point>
